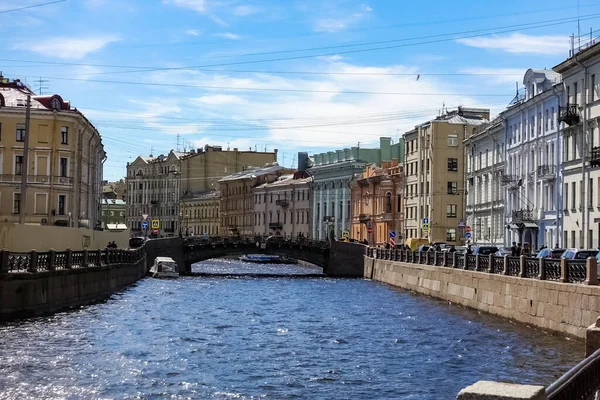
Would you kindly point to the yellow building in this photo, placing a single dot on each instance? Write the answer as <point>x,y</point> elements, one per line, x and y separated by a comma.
<point>64,166</point>
<point>434,170</point>
<point>200,214</point>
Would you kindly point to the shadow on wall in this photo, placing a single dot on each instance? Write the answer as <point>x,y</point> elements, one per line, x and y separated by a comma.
<point>21,238</point>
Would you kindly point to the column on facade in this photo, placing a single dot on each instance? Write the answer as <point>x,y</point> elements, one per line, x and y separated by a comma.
<point>336,212</point>
<point>320,215</point>
<point>344,207</point>
<point>328,197</point>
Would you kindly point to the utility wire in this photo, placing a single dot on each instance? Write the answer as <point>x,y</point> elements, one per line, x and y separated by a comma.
<point>31,6</point>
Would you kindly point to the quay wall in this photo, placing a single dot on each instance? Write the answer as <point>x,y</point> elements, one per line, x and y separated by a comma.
<point>564,308</point>
<point>24,295</point>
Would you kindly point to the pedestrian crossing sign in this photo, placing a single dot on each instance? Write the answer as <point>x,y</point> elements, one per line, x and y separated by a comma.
<point>155,224</point>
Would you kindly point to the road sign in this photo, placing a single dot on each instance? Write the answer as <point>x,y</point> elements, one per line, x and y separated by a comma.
<point>468,229</point>
<point>468,235</point>
<point>145,216</point>
<point>155,231</point>
<point>392,242</point>
<point>345,234</point>
<point>144,224</point>
<point>370,229</point>
<point>155,224</point>
<point>425,227</point>
<point>461,224</point>
<point>425,220</point>
<point>392,234</point>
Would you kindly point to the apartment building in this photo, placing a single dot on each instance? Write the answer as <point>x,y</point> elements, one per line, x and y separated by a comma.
<point>377,203</point>
<point>64,166</point>
<point>202,168</point>
<point>282,207</point>
<point>434,170</point>
<point>485,194</point>
<point>113,214</point>
<point>532,178</point>
<point>200,213</point>
<point>154,192</point>
<point>237,197</point>
<point>579,115</point>
<point>332,173</point>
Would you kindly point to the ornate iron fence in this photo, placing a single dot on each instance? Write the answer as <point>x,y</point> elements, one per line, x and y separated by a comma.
<point>484,263</point>
<point>18,262</point>
<point>514,266</point>
<point>532,267</point>
<point>576,271</point>
<point>581,382</point>
<point>497,265</point>
<point>439,258</point>
<point>552,266</point>
<point>460,260</point>
<point>470,262</point>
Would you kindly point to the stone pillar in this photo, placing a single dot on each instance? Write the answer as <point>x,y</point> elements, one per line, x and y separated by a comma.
<point>454,261</point>
<point>336,213</point>
<point>69,259</point>
<point>445,259</point>
<point>505,272</point>
<point>107,257</point>
<point>564,271</point>
<point>321,215</point>
<point>487,390</point>
<point>4,261</point>
<point>521,266</point>
<point>345,227</point>
<point>592,338</point>
<point>52,261</point>
<point>86,257</point>
<point>591,268</point>
<point>98,258</point>
<point>32,261</point>
<point>315,223</point>
<point>542,275</point>
<point>491,263</point>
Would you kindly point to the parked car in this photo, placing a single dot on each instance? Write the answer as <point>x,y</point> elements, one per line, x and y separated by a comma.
<point>136,242</point>
<point>484,250</point>
<point>550,253</point>
<point>503,252</point>
<point>579,254</point>
<point>424,247</point>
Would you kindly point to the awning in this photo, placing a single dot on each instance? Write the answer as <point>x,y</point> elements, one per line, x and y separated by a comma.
<point>529,225</point>
<point>513,226</point>
<point>116,226</point>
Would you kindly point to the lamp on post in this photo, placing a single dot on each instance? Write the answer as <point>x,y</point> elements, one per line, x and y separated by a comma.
<point>180,216</point>
<point>70,223</point>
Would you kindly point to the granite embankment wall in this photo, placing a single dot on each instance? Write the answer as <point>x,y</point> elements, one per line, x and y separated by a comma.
<point>564,308</point>
<point>24,295</point>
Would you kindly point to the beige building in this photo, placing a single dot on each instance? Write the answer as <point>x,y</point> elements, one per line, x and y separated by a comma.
<point>237,197</point>
<point>282,207</point>
<point>154,191</point>
<point>200,214</point>
<point>434,169</point>
<point>201,169</point>
<point>64,168</point>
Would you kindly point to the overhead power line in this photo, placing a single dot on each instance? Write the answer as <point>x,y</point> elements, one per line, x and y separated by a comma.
<point>31,6</point>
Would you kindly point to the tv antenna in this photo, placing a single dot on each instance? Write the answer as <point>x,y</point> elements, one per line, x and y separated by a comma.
<point>42,85</point>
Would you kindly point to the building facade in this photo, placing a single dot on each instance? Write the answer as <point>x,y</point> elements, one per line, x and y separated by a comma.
<point>332,173</point>
<point>154,194</point>
<point>579,115</point>
<point>531,177</point>
<point>377,203</point>
<point>485,193</point>
<point>64,166</point>
<point>237,198</point>
<point>200,214</point>
<point>434,170</point>
<point>283,207</point>
<point>114,213</point>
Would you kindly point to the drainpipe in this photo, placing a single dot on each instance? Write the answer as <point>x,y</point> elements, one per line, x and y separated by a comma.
<point>492,184</point>
<point>557,187</point>
<point>98,184</point>
<point>583,153</point>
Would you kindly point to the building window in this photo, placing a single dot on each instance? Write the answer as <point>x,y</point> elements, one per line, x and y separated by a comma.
<point>64,135</point>
<point>20,132</point>
<point>453,164</point>
<point>451,235</point>
<point>452,187</point>
<point>17,203</point>
<point>451,211</point>
<point>453,140</point>
<point>388,202</point>
<point>593,90</point>
<point>18,165</point>
<point>573,195</point>
<point>63,166</point>
<point>62,199</point>
<point>552,118</point>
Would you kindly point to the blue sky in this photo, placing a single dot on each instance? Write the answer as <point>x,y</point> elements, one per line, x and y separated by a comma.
<point>292,75</point>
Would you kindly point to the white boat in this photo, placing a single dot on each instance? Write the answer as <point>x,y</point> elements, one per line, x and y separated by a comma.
<point>164,267</point>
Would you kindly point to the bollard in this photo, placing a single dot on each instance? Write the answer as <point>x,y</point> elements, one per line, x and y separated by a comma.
<point>505,272</point>
<point>32,267</point>
<point>521,266</point>
<point>69,259</point>
<point>445,259</point>
<point>591,271</point>
<point>454,260</point>
<point>4,261</point>
<point>491,263</point>
<point>86,256</point>
<point>98,258</point>
<point>542,275</point>
<point>52,260</point>
<point>564,270</point>
<point>107,257</point>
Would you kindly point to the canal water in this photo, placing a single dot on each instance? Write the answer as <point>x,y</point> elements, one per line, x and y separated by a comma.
<point>272,338</point>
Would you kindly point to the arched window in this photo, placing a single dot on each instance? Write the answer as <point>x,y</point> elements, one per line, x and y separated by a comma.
<point>55,104</point>
<point>388,202</point>
<point>2,103</point>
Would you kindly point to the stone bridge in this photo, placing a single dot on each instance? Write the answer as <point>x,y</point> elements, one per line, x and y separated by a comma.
<point>338,259</point>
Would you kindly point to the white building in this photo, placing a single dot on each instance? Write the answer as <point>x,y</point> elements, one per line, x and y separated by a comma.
<point>485,197</point>
<point>531,177</point>
<point>579,115</point>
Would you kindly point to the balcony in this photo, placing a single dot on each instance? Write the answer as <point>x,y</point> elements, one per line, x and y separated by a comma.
<point>364,218</point>
<point>510,179</point>
<point>384,217</point>
<point>275,225</point>
<point>546,172</point>
<point>522,215</point>
<point>595,157</point>
<point>155,202</point>
<point>568,114</point>
<point>282,202</point>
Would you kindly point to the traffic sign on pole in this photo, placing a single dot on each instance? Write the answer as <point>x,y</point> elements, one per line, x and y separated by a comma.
<point>370,229</point>
<point>144,216</point>
<point>155,224</point>
<point>461,224</point>
<point>144,224</point>
<point>425,220</point>
<point>467,229</point>
<point>468,235</point>
<point>392,234</point>
<point>155,231</point>
<point>425,227</point>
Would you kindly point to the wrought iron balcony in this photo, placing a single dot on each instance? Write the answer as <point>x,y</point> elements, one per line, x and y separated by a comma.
<point>595,157</point>
<point>154,202</point>
<point>364,218</point>
<point>510,179</point>
<point>330,218</point>
<point>522,215</point>
<point>282,202</point>
<point>568,114</point>
<point>547,172</point>
<point>275,225</point>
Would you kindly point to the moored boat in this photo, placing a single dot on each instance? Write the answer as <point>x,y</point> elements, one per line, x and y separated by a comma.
<point>267,259</point>
<point>164,267</point>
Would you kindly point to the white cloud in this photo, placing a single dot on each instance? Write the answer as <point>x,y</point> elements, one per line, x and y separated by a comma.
<point>338,22</point>
<point>193,32</point>
<point>244,10</point>
<point>520,43</point>
<point>196,5</point>
<point>497,75</point>
<point>67,47</point>
<point>219,99</point>
<point>228,35</point>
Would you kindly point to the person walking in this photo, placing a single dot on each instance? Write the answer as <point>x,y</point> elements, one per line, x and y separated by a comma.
<point>514,251</point>
<point>526,250</point>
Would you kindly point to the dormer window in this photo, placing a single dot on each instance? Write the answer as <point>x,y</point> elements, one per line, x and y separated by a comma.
<point>55,104</point>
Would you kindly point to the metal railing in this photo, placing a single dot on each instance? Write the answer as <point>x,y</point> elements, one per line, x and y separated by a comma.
<point>33,261</point>
<point>580,382</point>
